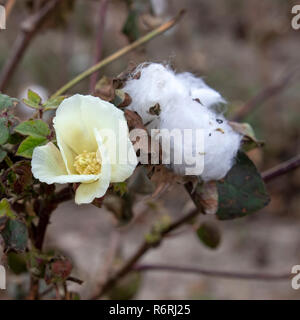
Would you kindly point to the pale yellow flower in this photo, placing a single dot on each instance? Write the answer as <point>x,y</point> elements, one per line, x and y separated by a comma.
<point>93,148</point>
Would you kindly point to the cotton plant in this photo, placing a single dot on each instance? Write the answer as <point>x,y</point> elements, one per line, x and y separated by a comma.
<point>98,148</point>
<point>80,148</point>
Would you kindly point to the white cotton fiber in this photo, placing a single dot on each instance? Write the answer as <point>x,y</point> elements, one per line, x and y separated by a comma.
<point>198,89</point>
<point>185,102</point>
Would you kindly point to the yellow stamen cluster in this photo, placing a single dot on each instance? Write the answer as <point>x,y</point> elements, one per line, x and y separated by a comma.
<point>87,163</point>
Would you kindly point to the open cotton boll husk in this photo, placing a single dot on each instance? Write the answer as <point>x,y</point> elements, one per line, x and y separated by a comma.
<point>178,109</point>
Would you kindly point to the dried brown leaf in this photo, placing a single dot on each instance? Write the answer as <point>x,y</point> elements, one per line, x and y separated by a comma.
<point>206,195</point>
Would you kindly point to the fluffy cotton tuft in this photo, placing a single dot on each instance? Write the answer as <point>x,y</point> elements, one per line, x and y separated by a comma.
<point>186,102</point>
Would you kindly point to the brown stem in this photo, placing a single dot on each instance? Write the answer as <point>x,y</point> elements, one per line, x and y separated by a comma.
<point>44,219</point>
<point>215,273</point>
<point>63,195</point>
<point>34,289</point>
<point>141,251</point>
<point>99,44</point>
<point>28,30</point>
<point>264,95</point>
<point>8,7</point>
<point>75,280</point>
<point>44,208</point>
<point>281,169</point>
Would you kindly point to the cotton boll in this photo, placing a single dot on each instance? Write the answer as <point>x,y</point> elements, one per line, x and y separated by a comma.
<point>178,110</point>
<point>210,98</point>
<point>190,81</point>
<point>156,84</point>
<point>220,141</point>
<point>198,89</point>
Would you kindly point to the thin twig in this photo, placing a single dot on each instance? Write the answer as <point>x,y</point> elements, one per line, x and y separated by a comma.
<point>151,35</point>
<point>8,7</point>
<point>99,45</point>
<point>264,95</point>
<point>214,273</point>
<point>144,247</point>
<point>47,291</point>
<point>281,169</point>
<point>75,280</point>
<point>66,292</point>
<point>28,30</point>
<point>34,289</point>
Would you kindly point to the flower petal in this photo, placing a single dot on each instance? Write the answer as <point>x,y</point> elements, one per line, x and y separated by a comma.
<point>100,114</point>
<point>87,192</point>
<point>112,126</point>
<point>70,128</point>
<point>48,166</point>
<point>67,153</point>
<point>127,162</point>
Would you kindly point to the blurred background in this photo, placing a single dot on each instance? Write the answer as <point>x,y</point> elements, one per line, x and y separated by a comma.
<point>239,47</point>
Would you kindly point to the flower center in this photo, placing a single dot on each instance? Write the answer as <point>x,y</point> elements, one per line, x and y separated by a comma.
<point>87,163</point>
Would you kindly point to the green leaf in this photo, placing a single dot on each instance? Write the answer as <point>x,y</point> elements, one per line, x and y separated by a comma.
<point>5,209</point>
<point>34,128</point>
<point>120,188</point>
<point>4,131</point>
<point>131,26</point>
<point>15,138</point>
<point>37,262</point>
<point>15,235</point>
<point>31,104</point>
<point>7,102</point>
<point>53,103</point>
<point>26,147</point>
<point>209,234</point>
<point>33,100</point>
<point>34,97</point>
<point>17,262</point>
<point>3,154</point>
<point>242,191</point>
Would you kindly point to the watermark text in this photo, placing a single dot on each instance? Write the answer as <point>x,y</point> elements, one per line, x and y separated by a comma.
<point>296,19</point>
